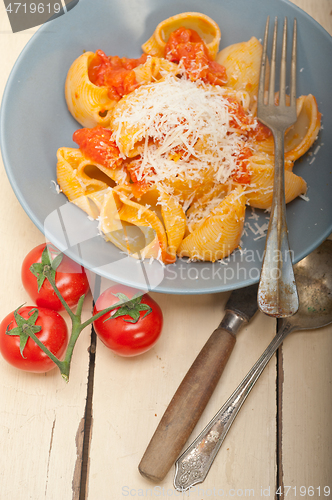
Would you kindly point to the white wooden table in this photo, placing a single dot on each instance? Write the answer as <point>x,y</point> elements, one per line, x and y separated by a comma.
<point>282,437</point>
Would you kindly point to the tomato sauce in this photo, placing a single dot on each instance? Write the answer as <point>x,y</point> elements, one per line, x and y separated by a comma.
<point>186,46</point>
<point>97,144</point>
<point>260,132</point>
<point>140,185</point>
<point>242,175</point>
<point>241,120</point>
<point>115,73</point>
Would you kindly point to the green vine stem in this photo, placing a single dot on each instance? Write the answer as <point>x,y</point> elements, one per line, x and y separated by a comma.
<point>76,326</point>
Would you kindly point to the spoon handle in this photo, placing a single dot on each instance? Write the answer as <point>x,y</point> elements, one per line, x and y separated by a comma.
<point>193,465</point>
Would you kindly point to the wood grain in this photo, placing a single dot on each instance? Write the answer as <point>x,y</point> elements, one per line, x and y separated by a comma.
<point>40,415</point>
<point>41,418</point>
<point>130,401</point>
<point>307,379</point>
<point>187,405</point>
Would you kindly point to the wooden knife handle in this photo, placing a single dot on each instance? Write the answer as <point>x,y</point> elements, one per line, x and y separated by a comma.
<point>187,405</point>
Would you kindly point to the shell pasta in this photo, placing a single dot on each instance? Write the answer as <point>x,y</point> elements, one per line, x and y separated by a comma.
<point>171,152</point>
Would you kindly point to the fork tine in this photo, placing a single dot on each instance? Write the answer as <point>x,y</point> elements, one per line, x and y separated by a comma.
<point>293,67</point>
<point>273,64</point>
<point>282,88</point>
<point>261,87</point>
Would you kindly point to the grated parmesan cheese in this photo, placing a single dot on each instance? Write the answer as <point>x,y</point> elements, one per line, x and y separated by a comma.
<point>56,187</point>
<point>180,115</point>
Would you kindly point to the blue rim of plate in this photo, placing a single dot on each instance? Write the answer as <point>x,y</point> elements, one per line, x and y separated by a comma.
<point>40,72</point>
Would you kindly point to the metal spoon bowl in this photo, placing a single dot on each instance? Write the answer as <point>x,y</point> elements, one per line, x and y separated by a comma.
<point>314,283</point>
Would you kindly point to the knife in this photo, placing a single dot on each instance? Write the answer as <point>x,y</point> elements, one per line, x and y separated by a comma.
<point>195,390</point>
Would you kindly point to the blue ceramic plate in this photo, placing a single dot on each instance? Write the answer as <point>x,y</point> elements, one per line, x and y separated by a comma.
<point>35,122</point>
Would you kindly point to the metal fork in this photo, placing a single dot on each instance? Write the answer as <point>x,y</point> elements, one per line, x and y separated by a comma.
<point>277,292</point>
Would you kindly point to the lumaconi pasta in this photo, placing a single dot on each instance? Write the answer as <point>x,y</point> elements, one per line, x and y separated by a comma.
<point>91,104</point>
<point>202,24</point>
<point>172,152</point>
<point>242,62</point>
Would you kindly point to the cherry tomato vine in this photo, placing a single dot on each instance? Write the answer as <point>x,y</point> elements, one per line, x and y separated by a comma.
<point>26,326</point>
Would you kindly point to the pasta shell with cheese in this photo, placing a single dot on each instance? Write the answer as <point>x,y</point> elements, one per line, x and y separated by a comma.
<point>139,242</point>
<point>260,191</point>
<point>80,179</point>
<point>186,190</point>
<point>139,215</point>
<point>242,62</point>
<point>95,202</point>
<point>128,136</point>
<point>119,232</point>
<point>153,69</point>
<point>73,162</point>
<point>220,232</point>
<point>89,104</point>
<point>205,26</point>
<point>190,158</point>
<point>175,221</point>
<point>299,137</point>
<point>203,205</point>
<point>303,134</point>
<point>71,176</point>
<point>266,160</point>
<point>156,240</point>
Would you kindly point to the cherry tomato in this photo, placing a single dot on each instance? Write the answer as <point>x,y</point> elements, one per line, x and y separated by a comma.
<point>115,73</point>
<point>70,279</point>
<point>53,334</point>
<point>132,328</point>
<point>97,144</point>
<point>187,46</point>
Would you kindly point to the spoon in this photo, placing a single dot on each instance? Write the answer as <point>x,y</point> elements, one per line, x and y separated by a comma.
<point>314,282</point>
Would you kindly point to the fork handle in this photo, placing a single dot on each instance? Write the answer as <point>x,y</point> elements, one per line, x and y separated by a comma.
<point>277,293</point>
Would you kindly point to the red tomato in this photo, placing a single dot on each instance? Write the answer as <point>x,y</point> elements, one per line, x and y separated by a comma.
<point>242,175</point>
<point>115,73</point>
<point>53,334</point>
<point>261,132</point>
<point>97,144</point>
<point>70,278</point>
<point>121,334</point>
<point>187,46</point>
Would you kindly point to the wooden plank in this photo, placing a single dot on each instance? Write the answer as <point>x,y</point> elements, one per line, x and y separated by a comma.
<point>320,11</point>
<point>118,438</point>
<point>130,396</point>
<point>307,406</point>
<point>307,378</point>
<point>40,415</point>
